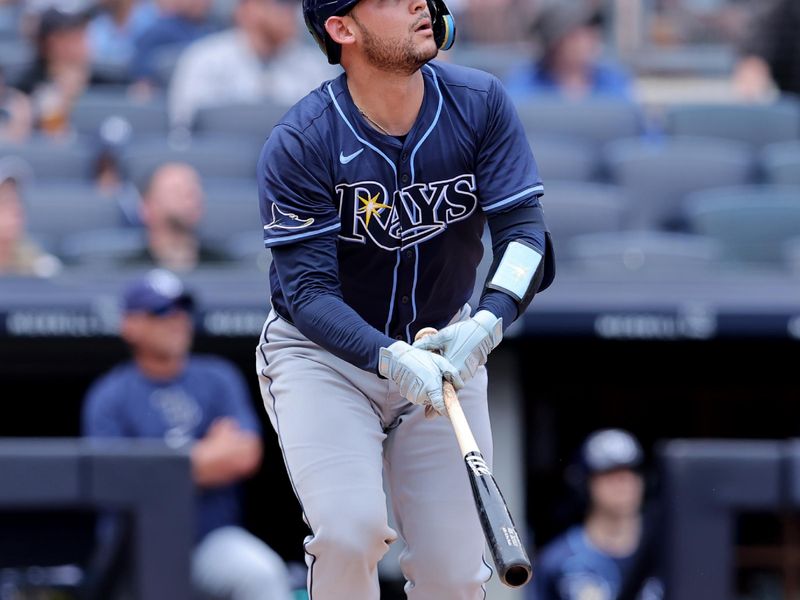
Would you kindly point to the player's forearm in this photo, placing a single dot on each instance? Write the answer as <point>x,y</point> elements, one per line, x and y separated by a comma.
<point>216,463</point>
<point>309,279</point>
<point>522,225</point>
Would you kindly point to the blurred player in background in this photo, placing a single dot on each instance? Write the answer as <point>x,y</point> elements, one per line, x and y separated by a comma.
<point>374,192</point>
<point>607,557</point>
<point>166,392</point>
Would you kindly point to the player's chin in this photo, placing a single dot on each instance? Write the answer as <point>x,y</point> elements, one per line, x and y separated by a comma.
<point>427,52</point>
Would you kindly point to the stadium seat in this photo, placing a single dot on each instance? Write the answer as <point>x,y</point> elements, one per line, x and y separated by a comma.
<point>658,175</point>
<point>596,121</point>
<point>69,159</point>
<point>251,121</point>
<point>231,207</point>
<point>575,208</point>
<point>561,157</point>
<point>781,163</point>
<point>791,254</point>
<point>95,106</point>
<point>102,246</point>
<point>212,157</point>
<point>16,55</point>
<point>497,59</point>
<point>757,125</point>
<point>248,247</point>
<point>752,222</point>
<point>58,210</point>
<point>644,252</point>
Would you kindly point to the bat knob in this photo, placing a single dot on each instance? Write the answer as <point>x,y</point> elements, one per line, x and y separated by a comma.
<point>425,332</point>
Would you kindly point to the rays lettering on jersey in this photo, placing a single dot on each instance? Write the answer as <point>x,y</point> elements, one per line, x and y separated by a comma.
<point>367,211</point>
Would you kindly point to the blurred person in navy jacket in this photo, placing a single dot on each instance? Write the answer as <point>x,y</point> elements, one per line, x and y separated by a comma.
<point>570,33</point>
<point>609,556</point>
<point>167,392</point>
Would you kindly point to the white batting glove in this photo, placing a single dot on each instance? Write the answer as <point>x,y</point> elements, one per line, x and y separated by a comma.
<point>418,374</point>
<point>466,344</point>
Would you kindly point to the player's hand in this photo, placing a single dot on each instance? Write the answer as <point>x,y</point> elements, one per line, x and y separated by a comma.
<point>418,374</point>
<point>466,344</point>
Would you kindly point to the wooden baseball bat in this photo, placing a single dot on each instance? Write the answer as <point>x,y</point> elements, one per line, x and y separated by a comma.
<point>509,556</point>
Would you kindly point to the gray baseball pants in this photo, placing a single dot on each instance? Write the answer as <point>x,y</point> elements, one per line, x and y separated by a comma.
<point>339,428</point>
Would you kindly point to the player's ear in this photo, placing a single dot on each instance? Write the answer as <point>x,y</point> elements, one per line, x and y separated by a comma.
<point>340,29</point>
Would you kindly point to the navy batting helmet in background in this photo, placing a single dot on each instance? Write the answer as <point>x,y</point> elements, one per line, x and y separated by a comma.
<point>610,449</point>
<point>317,12</point>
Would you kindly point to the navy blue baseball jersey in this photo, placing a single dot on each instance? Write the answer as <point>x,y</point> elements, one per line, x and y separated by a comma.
<point>572,568</point>
<point>403,216</point>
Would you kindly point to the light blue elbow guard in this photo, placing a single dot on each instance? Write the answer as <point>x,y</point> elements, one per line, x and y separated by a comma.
<point>518,273</point>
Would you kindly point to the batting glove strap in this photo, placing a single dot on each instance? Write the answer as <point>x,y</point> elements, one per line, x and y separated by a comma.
<point>467,344</point>
<point>418,374</point>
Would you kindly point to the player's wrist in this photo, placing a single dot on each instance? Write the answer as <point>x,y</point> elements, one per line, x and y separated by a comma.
<point>491,324</point>
<point>387,355</point>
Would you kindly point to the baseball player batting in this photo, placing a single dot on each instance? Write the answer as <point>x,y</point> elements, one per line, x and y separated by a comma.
<point>374,192</point>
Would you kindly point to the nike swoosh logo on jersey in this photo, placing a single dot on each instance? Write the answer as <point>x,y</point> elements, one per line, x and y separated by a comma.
<point>346,159</point>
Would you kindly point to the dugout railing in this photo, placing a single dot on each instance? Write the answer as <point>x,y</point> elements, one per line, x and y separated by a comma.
<point>146,482</point>
<point>706,485</point>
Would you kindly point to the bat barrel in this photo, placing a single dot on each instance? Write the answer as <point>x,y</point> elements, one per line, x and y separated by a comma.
<point>516,575</point>
<point>509,556</point>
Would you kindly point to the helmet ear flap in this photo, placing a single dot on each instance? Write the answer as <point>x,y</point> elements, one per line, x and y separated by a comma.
<point>444,25</point>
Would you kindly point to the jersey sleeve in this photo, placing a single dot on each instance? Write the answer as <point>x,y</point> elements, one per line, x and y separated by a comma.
<point>295,189</point>
<point>99,417</point>
<point>506,170</point>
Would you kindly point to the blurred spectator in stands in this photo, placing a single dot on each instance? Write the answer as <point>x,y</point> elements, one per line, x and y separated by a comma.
<point>570,33</point>
<point>62,69</point>
<point>260,58</point>
<point>167,392</point>
<point>610,556</point>
<point>16,116</point>
<point>108,169</point>
<point>171,209</point>
<point>771,53</point>
<point>179,23</point>
<point>19,255</point>
<point>113,30</point>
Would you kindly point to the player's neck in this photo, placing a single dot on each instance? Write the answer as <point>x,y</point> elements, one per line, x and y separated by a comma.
<point>160,368</point>
<point>392,101</point>
<point>615,534</point>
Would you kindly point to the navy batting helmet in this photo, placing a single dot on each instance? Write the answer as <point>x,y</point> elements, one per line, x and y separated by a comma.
<point>317,12</point>
<point>610,449</point>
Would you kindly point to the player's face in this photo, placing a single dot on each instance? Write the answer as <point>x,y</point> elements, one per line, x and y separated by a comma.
<point>396,35</point>
<point>617,492</point>
<point>165,336</point>
<point>175,198</point>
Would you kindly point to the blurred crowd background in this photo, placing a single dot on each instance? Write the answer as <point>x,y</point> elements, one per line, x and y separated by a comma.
<point>667,134</point>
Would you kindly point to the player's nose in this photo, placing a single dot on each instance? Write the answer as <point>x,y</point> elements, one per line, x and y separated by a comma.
<point>419,5</point>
